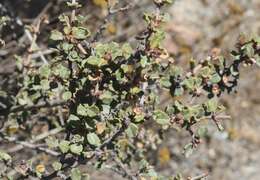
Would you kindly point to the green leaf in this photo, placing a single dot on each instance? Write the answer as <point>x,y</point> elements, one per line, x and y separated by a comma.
<point>64,146</point>
<point>168,1</point>
<point>215,78</point>
<point>66,95</point>
<point>143,164</point>
<point>86,110</point>
<point>205,72</point>
<point>163,2</point>
<point>187,113</point>
<point>147,17</point>
<point>144,61</point>
<point>202,131</point>
<point>74,5</point>
<point>101,49</point>
<point>249,50</point>
<point>220,127</point>
<point>132,130</point>
<point>234,71</point>
<point>152,173</point>
<point>135,90</point>
<point>77,139</point>
<point>176,71</point>
<point>64,18</point>
<point>73,117</point>
<point>188,150</point>
<point>139,118</point>
<point>95,61</point>
<point>67,30</point>
<point>61,71</point>
<point>52,142</point>
<point>3,94</point>
<point>4,156</point>
<point>106,97</point>
<point>257,57</point>
<point>119,76</point>
<point>45,71</point>
<point>66,47</point>
<point>57,166</point>
<point>56,35</point>
<point>161,117</point>
<point>19,62</point>
<point>74,56</point>
<point>178,91</point>
<point>80,32</point>
<point>34,47</point>
<point>93,139</point>
<point>75,174</point>
<point>127,50</point>
<point>76,149</point>
<point>178,177</point>
<point>81,110</point>
<point>189,83</point>
<point>86,176</point>
<point>212,105</point>
<point>257,39</point>
<point>126,68</point>
<point>115,50</point>
<point>165,82</point>
<point>45,84</point>
<point>156,38</point>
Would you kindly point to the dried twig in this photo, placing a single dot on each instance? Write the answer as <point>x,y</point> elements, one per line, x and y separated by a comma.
<point>33,41</point>
<point>127,173</point>
<point>216,121</point>
<point>37,138</point>
<point>31,146</point>
<point>111,12</point>
<point>73,13</point>
<point>199,177</point>
<point>43,104</point>
<point>43,52</point>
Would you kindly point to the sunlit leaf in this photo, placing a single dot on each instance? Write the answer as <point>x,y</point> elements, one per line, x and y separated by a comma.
<point>93,139</point>
<point>4,156</point>
<point>64,146</point>
<point>56,35</point>
<point>76,149</point>
<point>161,117</point>
<point>75,174</point>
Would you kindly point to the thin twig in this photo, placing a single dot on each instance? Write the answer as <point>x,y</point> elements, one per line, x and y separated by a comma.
<point>114,136</point>
<point>44,104</point>
<point>111,12</point>
<point>81,48</point>
<point>31,146</point>
<point>33,41</point>
<point>73,13</point>
<point>127,173</point>
<point>34,140</point>
<point>199,177</point>
<point>216,121</point>
<point>33,38</point>
<point>37,138</point>
<point>36,20</point>
<point>43,52</point>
